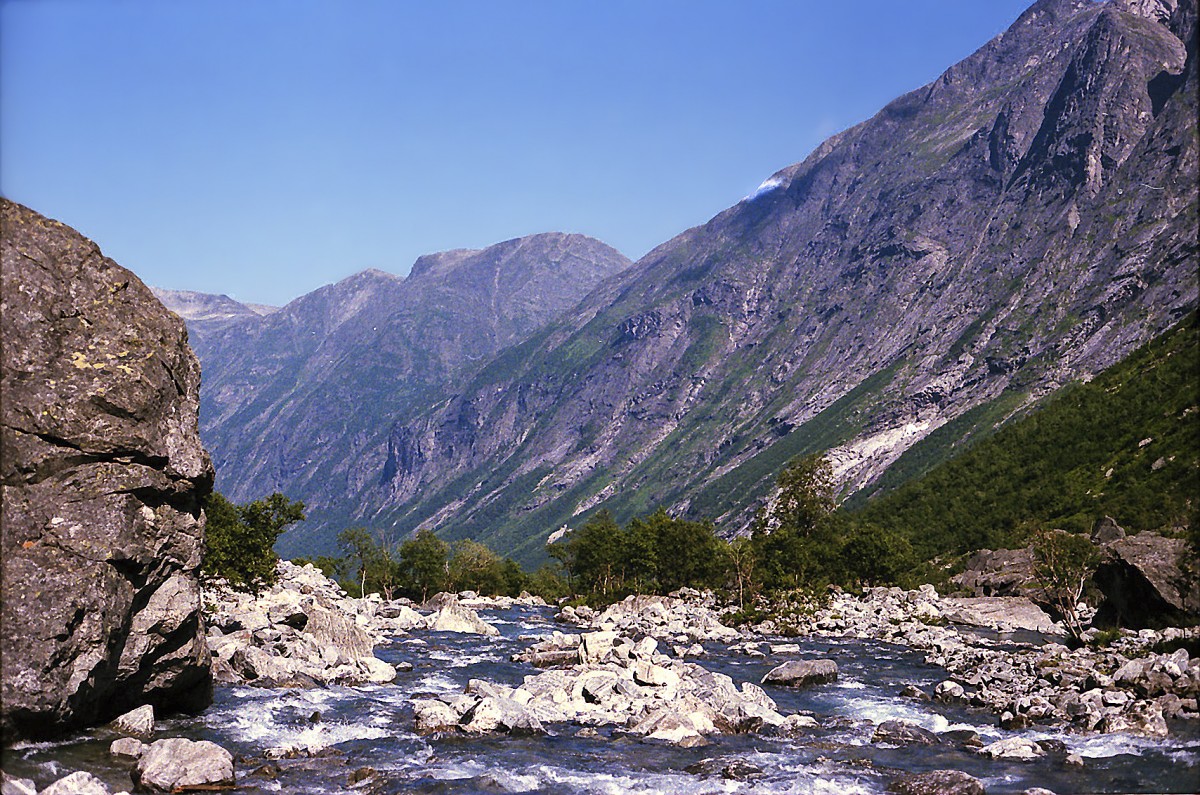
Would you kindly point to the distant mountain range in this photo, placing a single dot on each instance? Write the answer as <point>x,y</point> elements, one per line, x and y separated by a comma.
<point>1025,220</point>
<point>302,399</point>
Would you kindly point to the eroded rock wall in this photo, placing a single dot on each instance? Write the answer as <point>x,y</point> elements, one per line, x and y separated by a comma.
<point>101,481</point>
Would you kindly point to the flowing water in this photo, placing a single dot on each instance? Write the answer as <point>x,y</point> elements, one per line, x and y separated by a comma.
<point>372,727</point>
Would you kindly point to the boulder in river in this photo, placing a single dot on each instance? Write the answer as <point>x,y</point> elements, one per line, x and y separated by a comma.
<point>178,764</point>
<point>899,732</point>
<point>937,782</point>
<point>102,474</point>
<point>453,617</point>
<point>81,783</point>
<point>802,673</point>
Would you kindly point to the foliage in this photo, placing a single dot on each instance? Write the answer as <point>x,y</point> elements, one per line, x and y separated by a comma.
<point>655,554</point>
<point>794,540</point>
<point>1126,445</point>
<point>873,555</point>
<point>423,564</point>
<point>240,539</point>
<point>1063,563</point>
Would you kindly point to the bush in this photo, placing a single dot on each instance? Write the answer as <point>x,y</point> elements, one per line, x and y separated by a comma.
<point>240,539</point>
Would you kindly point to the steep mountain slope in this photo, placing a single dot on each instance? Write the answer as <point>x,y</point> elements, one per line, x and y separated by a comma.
<point>1125,445</point>
<point>1024,220</point>
<point>302,400</point>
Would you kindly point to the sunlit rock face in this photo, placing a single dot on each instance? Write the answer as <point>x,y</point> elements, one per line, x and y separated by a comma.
<point>101,477</point>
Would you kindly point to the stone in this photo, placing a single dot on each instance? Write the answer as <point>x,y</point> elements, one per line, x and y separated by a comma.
<point>11,785</point>
<point>180,764</point>
<point>496,713</point>
<point>1146,584</point>
<point>127,748</point>
<point>103,474</point>
<point>1144,718</point>
<point>80,783</point>
<point>937,782</point>
<point>594,646</point>
<point>802,673</point>
<point>1106,530</point>
<point>453,617</point>
<point>949,692</point>
<point>912,691</point>
<point>138,722</point>
<point>899,732</point>
<point>1001,613</point>
<point>1018,748</point>
<point>433,715</point>
<point>1001,572</point>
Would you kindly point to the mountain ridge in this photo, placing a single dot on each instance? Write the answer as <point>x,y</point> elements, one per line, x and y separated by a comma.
<point>297,400</point>
<point>724,334</point>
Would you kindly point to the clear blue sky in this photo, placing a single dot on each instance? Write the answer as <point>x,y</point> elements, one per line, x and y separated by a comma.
<point>262,148</point>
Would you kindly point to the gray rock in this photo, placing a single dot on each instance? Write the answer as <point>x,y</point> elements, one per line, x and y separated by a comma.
<point>937,782</point>
<point>433,715</point>
<point>802,673</point>
<point>103,473</point>
<point>456,618</point>
<point>138,722</point>
<point>1018,748</point>
<point>176,763</point>
<point>899,732</point>
<point>1146,583</point>
<point>80,783</point>
<point>11,785</point>
<point>1001,572</point>
<point>1106,530</point>
<point>949,692</point>
<point>1002,613</point>
<point>127,748</point>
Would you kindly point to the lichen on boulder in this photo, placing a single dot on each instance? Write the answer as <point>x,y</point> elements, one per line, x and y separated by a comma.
<point>102,474</point>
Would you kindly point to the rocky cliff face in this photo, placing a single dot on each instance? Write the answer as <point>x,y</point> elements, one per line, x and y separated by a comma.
<point>302,400</point>
<point>1024,220</point>
<point>101,477</point>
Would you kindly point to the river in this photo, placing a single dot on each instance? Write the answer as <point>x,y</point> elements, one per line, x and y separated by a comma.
<point>371,727</point>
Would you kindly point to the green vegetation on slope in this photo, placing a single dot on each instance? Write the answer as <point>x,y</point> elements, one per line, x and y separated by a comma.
<point>1126,445</point>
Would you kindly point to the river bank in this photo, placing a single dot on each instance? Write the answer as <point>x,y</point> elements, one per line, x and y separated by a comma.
<point>855,734</point>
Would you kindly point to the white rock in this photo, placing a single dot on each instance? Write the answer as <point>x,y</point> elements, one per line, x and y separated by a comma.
<point>178,763</point>
<point>80,783</point>
<point>139,722</point>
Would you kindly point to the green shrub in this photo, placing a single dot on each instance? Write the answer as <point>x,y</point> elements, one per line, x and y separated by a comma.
<point>239,540</point>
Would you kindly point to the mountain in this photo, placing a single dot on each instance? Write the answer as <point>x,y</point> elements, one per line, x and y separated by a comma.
<point>1023,221</point>
<point>1124,445</point>
<point>302,400</point>
<point>205,313</point>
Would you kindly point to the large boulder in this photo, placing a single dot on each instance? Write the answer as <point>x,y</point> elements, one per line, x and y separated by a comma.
<point>177,765</point>
<point>802,673</point>
<point>453,617</point>
<point>998,572</point>
<point>1001,613</point>
<point>1148,581</point>
<point>937,782</point>
<point>102,475</point>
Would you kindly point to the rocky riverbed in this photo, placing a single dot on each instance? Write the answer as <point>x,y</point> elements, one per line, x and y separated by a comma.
<point>322,693</point>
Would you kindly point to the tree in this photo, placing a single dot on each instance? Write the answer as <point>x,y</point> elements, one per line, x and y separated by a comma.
<point>873,555</point>
<point>1063,562</point>
<point>362,551</point>
<point>475,567</point>
<point>794,541</point>
<point>239,543</point>
<point>741,563</point>
<point>423,563</point>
